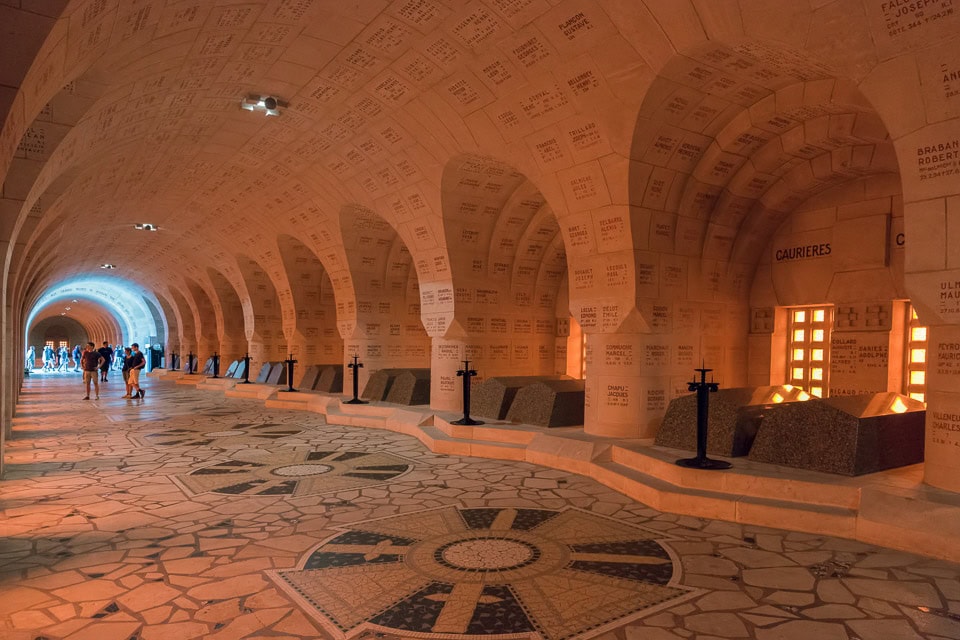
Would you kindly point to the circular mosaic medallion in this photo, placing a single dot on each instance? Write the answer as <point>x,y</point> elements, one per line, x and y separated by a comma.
<point>486,572</point>
<point>486,554</point>
<point>295,470</point>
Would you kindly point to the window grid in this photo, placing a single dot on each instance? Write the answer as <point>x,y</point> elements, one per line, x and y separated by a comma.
<point>808,348</point>
<point>915,367</point>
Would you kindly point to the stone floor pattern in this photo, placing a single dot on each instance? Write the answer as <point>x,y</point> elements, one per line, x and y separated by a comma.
<point>189,515</point>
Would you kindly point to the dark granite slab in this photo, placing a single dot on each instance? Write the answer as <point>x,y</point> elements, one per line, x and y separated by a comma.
<point>850,435</point>
<point>278,370</point>
<point>264,372</point>
<point>330,379</point>
<point>379,383</point>
<point>238,373</point>
<point>492,397</point>
<point>410,387</point>
<point>310,375</point>
<point>232,369</point>
<point>733,418</point>
<point>549,403</point>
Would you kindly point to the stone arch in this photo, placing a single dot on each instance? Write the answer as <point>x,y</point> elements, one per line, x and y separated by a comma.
<point>265,333</point>
<point>385,329</point>
<point>206,327</point>
<point>729,139</point>
<point>314,335</point>
<point>499,309</point>
<point>230,325</point>
<point>184,312</point>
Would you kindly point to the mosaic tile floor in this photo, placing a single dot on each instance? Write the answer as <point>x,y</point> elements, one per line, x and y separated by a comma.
<point>188,515</point>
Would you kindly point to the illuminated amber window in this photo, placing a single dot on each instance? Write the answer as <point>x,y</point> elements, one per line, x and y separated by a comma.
<point>915,368</point>
<point>583,356</point>
<point>808,348</point>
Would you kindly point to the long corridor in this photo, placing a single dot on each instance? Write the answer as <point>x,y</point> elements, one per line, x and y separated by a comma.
<point>190,515</point>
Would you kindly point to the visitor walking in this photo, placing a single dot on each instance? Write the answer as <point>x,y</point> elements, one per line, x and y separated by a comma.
<point>137,363</point>
<point>90,361</point>
<point>107,353</point>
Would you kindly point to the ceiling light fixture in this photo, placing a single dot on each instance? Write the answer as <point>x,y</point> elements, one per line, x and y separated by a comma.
<point>107,265</point>
<point>268,104</point>
<point>146,226</point>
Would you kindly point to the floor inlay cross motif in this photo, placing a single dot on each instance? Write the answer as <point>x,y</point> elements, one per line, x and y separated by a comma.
<point>242,433</point>
<point>296,473</point>
<point>491,572</point>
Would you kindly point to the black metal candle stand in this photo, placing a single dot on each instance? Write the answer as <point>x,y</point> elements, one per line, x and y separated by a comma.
<point>355,366</point>
<point>466,373</point>
<point>246,368</point>
<point>290,362</point>
<point>703,389</point>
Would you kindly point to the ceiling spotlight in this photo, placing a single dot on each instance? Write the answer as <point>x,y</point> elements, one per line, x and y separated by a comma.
<point>107,265</point>
<point>268,104</point>
<point>145,226</point>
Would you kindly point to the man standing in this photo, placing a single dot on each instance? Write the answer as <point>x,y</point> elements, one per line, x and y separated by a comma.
<point>136,363</point>
<point>107,354</point>
<point>90,361</point>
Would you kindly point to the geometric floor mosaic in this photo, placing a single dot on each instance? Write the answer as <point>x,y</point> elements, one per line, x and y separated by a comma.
<point>157,520</point>
<point>489,572</point>
<point>239,434</point>
<point>296,473</point>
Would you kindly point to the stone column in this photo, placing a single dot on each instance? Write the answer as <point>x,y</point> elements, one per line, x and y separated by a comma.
<point>627,385</point>
<point>942,438</point>
<point>446,356</point>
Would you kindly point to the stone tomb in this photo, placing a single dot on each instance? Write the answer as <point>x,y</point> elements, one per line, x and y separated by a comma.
<point>330,379</point>
<point>310,375</point>
<point>238,372</point>
<point>492,397</point>
<point>410,387</point>
<point>851,435</point>
<point>733,419</point>
<point>379,383</point>
<point>232,369</point>
<point>549,403</point>
<point>278,373</point>
<point>264,372</point>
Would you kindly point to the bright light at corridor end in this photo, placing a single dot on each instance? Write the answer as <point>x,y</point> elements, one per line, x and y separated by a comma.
<point>135,311</point>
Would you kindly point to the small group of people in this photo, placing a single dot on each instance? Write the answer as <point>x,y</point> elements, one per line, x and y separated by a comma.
<point>96,364</point>
<point>53,359</point>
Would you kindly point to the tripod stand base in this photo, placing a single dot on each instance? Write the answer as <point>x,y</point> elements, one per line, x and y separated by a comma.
<point>290,390</point>
<point>467,421</point>
<point>356,401</point>
<point>703,463</point>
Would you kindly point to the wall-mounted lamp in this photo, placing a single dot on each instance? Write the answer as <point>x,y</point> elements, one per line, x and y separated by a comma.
<point>107,265</point>
<point>146,226</point>
<point>269,105</point>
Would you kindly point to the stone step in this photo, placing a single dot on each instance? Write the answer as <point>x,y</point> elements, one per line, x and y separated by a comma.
<point>746,478</point>
<point>503,433</point>
<point>440,442</point>
<point>252,391</point>
<point>665,496</point>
